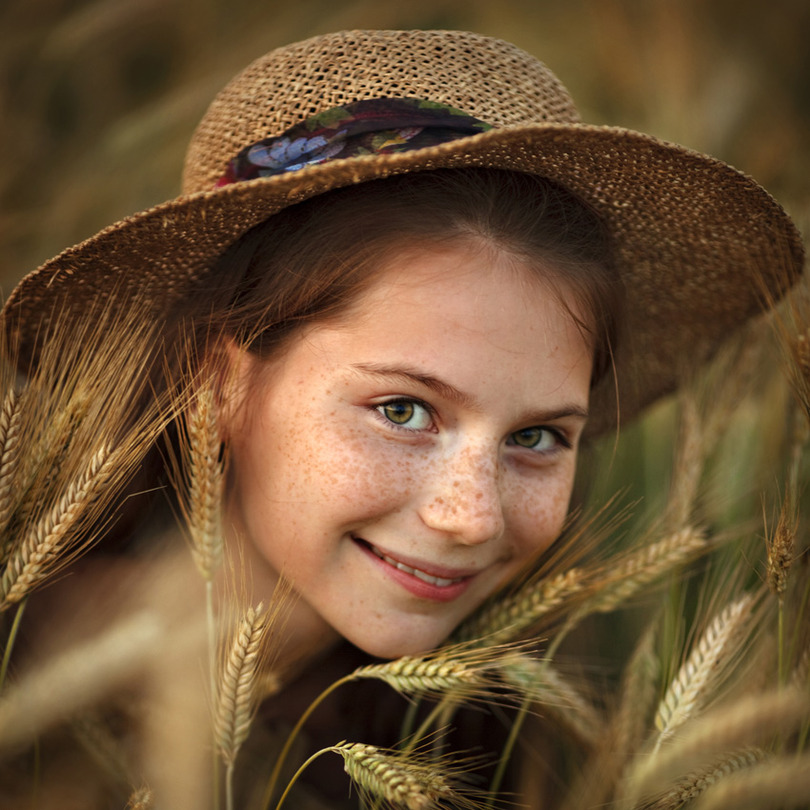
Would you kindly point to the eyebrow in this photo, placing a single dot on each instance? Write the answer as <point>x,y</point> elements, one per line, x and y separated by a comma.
<point>453,394</point>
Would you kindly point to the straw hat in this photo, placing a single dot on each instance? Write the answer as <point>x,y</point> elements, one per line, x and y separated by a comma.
<point>697,242</point>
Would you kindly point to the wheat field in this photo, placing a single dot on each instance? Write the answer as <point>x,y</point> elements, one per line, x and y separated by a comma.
<point>660,659</point>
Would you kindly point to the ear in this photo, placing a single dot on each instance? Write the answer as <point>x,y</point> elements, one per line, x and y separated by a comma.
<point>234,371</point>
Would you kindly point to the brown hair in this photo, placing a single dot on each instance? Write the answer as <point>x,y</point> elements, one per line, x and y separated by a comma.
<point>311,261</point>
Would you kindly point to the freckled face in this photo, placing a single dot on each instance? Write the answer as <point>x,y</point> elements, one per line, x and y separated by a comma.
<point>399,464</point>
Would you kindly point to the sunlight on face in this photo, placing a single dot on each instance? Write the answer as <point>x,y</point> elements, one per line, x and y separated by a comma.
<point>399,464</point>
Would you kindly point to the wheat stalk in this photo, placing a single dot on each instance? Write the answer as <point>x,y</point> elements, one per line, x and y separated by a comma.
<point>631,572</point>
<point>46,546</point>
<point>544,685</point>
<point>237,695</point>
<point>454,672</point>
<point>625,730</point>
<point>77,678</point>
<point>507,618</point>
<point>206,482</point>
<point>701,672</point>
<point>740,724</point>
<point>638,694</point>
<point>401,780</point>
<point>781,547</point>
<point>783,782</point>
<point>141,799</point>
<point>9,458</point>
<point>689,461</point>
<point>799,351</point>
<point>701,780</point>
<point>462,672</point>
<point>800,676</point>
<point>58,470</point>
<point>96,737</point>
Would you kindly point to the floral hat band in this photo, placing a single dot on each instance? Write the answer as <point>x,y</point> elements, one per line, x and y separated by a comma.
<point>371,126</point>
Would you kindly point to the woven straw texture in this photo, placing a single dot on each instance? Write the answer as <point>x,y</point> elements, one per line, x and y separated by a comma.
<point>698,243</point>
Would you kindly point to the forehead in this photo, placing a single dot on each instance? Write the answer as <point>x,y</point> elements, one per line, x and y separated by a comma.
<point>466,281</point>
<point>468,310</point>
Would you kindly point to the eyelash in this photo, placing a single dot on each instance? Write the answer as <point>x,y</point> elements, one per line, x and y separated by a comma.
<point>561,440</point>
<point>378,410</point>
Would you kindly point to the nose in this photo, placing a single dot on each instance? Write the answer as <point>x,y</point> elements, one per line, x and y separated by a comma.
<point>463,497</point>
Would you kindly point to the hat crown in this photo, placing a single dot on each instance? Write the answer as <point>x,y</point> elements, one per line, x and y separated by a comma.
<point>487,78</point>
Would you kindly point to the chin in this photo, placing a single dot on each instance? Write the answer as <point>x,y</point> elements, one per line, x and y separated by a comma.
<point>397,646</point>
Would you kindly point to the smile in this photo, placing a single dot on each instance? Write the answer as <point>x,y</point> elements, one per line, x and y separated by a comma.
<point>440,582</point>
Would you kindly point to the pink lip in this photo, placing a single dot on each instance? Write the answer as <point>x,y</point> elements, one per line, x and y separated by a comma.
<point>411,582</point>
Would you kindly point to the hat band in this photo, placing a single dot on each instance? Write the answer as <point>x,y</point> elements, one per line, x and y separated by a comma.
<point>368,127</point>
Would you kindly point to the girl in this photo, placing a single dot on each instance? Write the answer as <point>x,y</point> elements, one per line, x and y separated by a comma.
<point>415,281</point>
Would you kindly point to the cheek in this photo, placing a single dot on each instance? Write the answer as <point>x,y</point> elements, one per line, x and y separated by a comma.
<point>536,513</point>
<point>330,464</point>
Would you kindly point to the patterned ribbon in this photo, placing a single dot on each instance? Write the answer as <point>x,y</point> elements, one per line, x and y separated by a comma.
<point>373,126</point>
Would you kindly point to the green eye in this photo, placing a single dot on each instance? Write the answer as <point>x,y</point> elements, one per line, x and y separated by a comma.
<point>400,413</point>
<point>409,414</point>
<point>534,438</point>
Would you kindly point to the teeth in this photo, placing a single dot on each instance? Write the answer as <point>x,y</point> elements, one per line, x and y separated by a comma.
<point>440,582</point>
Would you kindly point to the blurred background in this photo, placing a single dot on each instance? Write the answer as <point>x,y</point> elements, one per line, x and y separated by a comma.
<point>98,98</point>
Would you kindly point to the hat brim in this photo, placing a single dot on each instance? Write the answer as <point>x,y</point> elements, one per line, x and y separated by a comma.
<point>700,246</point>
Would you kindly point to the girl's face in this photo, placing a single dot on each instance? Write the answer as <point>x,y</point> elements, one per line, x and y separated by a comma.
<point>400,463</point>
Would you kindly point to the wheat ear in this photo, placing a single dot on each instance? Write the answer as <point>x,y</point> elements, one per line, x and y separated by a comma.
<point>507,618</point>
<point>783,782</point>
<point>460,672</point>
<point>781,548</point>
<point>627,727</point>
<point>237,693</point>
<point>393,777</point>
<point>206,481</point>
<point>740,724</point>
<point>544,685</point>
<point>141,799</point>
<point>9,459</point>
<point>704,668</point>
<point>46,547</point>
<point>635,570</point>
<point>701,780</point>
